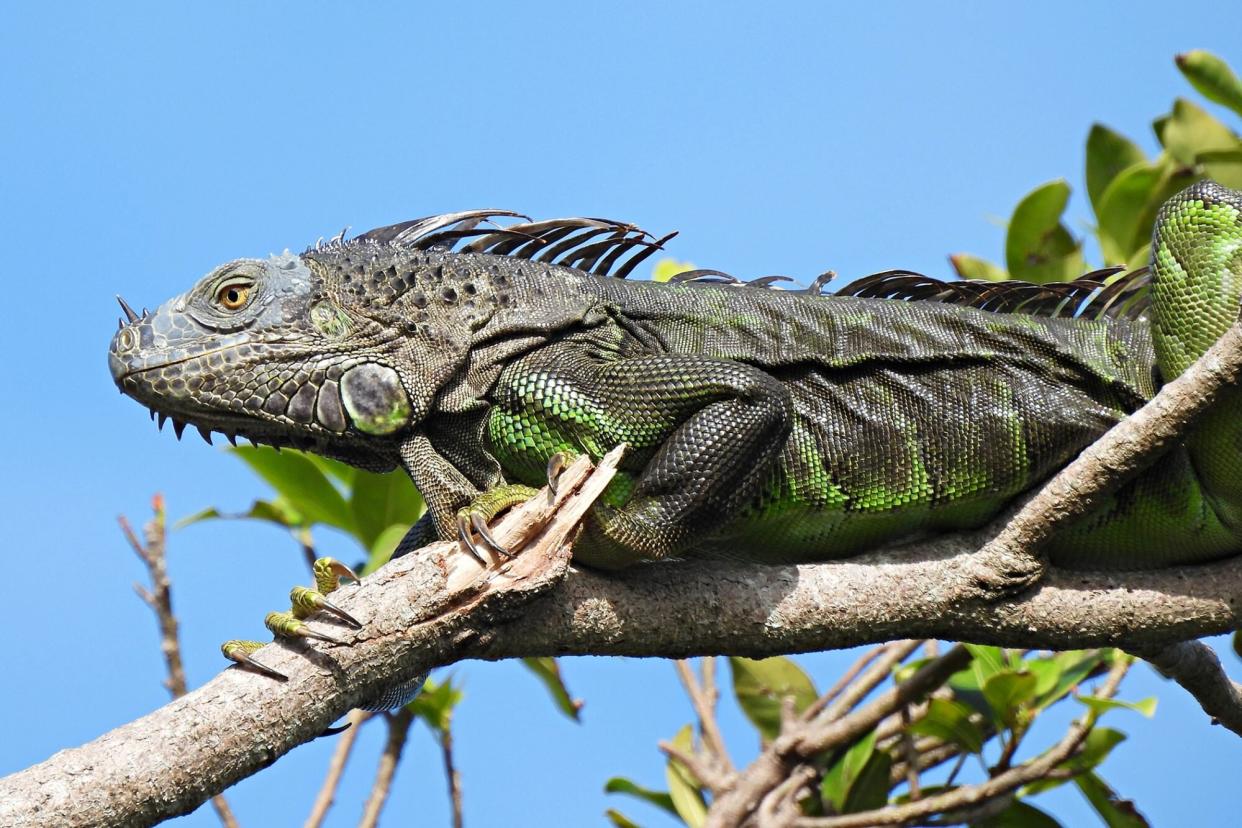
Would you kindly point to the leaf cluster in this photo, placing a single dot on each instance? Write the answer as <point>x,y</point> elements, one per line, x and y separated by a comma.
<point>983,714</point>
<point>1125,187</point>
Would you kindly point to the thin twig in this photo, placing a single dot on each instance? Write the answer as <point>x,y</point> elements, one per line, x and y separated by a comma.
<point>702,770</point>
<point>336,767</point>
<point>451,775</point>
<point>894,653</point>
<point>398,730</point>
<point>307,542</point>
<point>844,681</point>
<point>159,599</point>
<point>780,807</point>
<point>704,702</point>
<point>911,755</point>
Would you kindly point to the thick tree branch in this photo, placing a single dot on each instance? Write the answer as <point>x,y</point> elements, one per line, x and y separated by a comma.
<point>435,607</point>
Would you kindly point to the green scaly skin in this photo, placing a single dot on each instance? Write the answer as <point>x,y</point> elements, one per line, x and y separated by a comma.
<point>763,424</point>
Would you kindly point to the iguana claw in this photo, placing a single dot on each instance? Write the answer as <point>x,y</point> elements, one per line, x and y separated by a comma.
<point>240,651</point>
<point>479,523</point>
<point>467,540</point>
<point>556,464</point>
<point>288,625</point>
<point>473,519</point>
<point>308,601</point>
<point>329,571</point>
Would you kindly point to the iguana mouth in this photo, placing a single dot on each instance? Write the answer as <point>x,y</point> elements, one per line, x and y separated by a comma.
<point>133,372</point>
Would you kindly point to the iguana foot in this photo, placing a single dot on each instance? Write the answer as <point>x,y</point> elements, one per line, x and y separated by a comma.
<point>305,603</point>
<point>474,518</point>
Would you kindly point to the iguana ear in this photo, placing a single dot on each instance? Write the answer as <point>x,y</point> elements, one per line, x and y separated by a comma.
<point>375,399</point>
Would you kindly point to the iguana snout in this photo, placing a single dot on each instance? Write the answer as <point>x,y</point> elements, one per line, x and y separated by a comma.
<point>254,350</point>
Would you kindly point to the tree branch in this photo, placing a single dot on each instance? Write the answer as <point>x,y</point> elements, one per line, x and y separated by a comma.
<point>336,768</point>
<point>1194,666</point>
<point>398,730</point>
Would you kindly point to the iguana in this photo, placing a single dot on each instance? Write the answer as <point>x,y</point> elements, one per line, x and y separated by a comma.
<point>765,424</point>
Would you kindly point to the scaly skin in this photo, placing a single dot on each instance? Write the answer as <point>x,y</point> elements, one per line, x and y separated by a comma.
<point>763,424</point>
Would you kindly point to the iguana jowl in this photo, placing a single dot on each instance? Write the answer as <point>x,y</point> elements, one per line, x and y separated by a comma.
<point>764,424</point>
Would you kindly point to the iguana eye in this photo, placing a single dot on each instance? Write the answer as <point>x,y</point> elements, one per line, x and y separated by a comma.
<point>233,295</point>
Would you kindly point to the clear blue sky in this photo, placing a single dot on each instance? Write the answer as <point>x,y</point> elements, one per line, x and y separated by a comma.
<point>144,143</point>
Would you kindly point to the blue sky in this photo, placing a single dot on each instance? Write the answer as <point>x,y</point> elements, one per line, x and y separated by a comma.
<point>144,143</point>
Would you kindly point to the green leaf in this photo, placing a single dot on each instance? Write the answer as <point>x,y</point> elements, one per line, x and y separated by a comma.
<point>1237,643</point>
<point>621,785</point>
<point>1147,706</point>
<point>383,547</point>
<point>1191,131</point>
<point>1018,815</point>
<point>666,269</point>
<point>1212,77</point>
<point>949,720</point>
<point>301,483</point>
<point>760,686</point>
<point>435,704</point>
<point>1096,747</point>
<point>273,511</point>
<point>1038,247</point>
<point>972,267</point>
<point>1108,153</point>
<point>683,788</point>
<point>377,501</point>
<point>343,472</point>
<point>1062,673</point>
<point>987,661</point>
<point>1116,812</point>
<point>965,685</point>
<point>548,671</point>
<point>1129,206</point>
<point>1007,693</point>
<point>840,777</point>
<point>870,790</point>
<point>619,819</point>
<point>1222,166</point>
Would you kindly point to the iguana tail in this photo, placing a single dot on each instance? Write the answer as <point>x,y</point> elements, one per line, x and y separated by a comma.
<point>1188,507</point>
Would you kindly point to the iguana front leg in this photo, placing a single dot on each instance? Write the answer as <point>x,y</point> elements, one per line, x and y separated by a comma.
<point>704,433</point>
<point>456,508</point>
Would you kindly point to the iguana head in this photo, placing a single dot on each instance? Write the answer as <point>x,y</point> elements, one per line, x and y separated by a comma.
<point>277,351</point>
<point>343,349</point>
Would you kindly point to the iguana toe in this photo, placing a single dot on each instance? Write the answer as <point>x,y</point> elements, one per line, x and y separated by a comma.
<point>473,519</point>
<point>241,652</point>
<point>309,601</point>
<point>288,625</point>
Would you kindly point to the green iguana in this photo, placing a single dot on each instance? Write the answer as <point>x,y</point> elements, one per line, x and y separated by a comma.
<point>767,424</point>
